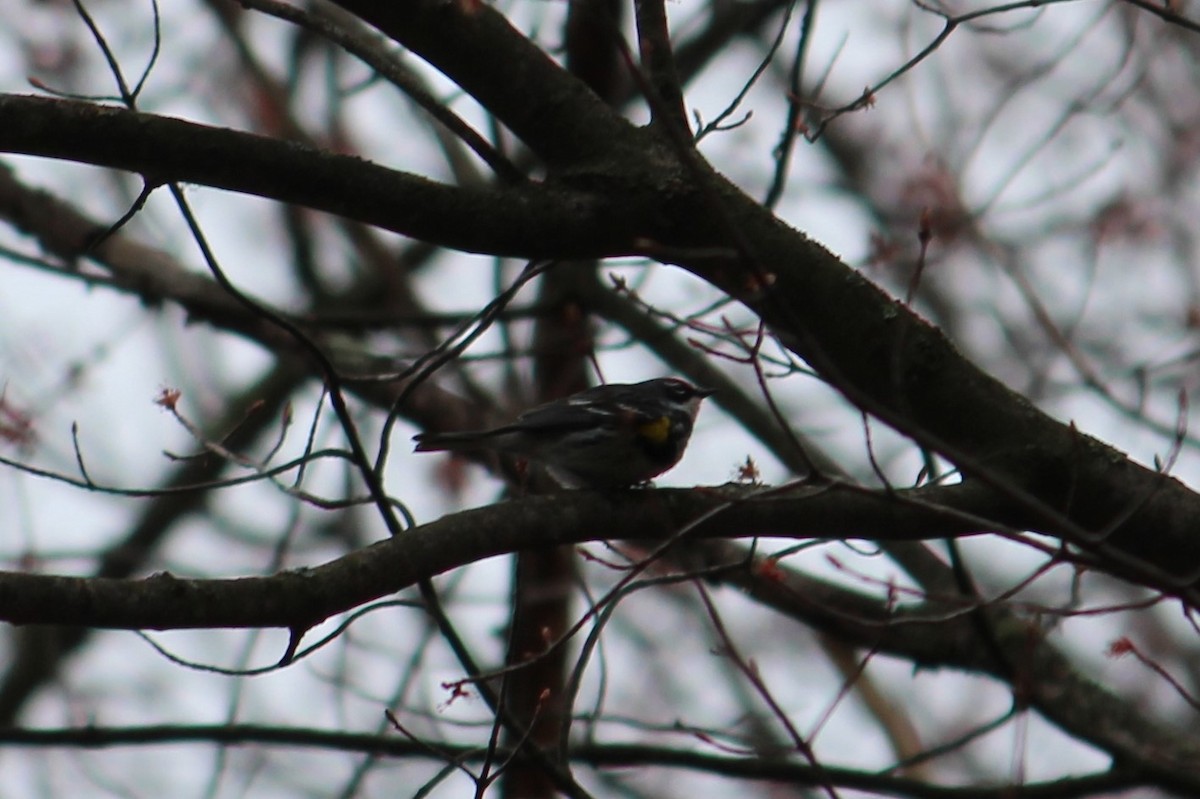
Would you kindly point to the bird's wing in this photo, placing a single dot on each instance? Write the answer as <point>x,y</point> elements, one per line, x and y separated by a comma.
<point>606,406</point>
<point>559,417</point>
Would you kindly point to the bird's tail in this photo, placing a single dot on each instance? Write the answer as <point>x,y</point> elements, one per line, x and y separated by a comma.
<point>453,442</point>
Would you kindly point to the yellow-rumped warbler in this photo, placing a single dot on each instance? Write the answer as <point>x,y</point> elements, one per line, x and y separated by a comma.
<point>603,437</point>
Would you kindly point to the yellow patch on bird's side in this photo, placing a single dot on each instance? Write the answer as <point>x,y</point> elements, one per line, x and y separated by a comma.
<point>656,431</point>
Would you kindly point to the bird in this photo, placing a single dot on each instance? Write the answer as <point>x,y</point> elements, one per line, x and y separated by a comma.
<point>609,436</point>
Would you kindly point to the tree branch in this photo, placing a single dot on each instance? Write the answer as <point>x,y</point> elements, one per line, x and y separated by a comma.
<point>598,755</point>
<point>500,220</point>
<point>301,598</point>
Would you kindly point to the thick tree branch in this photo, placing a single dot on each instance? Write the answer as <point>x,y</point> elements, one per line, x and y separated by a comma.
<point>553,112</point>
<point>500,220</point>
<point>301,598</point>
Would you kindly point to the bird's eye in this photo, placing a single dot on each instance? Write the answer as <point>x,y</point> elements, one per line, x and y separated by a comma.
<point>679,390</point>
